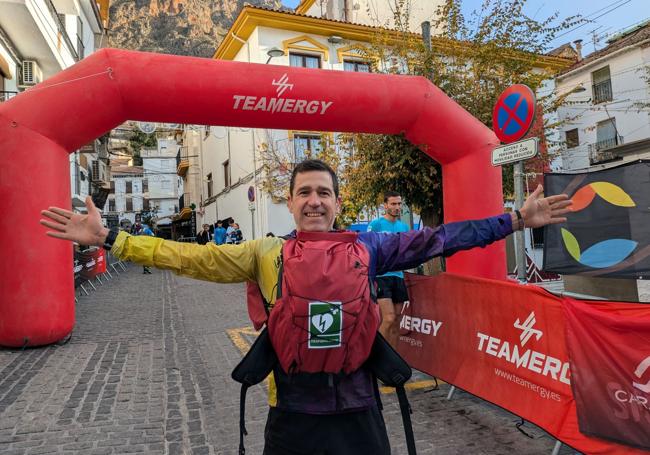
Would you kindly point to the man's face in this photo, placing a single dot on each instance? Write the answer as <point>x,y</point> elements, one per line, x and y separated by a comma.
<point>205,227</point>
<point>393,206</point>
<point>313,204</point>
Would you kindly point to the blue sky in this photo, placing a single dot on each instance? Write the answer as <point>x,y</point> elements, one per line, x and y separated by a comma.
<point>608,16</point>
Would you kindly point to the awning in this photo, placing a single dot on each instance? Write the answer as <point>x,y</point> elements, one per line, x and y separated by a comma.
<point>4,68</point>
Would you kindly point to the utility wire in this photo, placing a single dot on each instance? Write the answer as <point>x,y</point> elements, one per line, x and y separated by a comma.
<point>625,2</point>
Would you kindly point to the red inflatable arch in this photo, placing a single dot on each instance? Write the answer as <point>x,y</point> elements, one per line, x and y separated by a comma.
<point>40,127</point>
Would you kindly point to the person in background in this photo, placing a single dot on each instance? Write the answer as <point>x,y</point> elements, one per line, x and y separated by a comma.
<point>391,290</point>
<point>229,230</point>
<point>236,236</point>
<point>140,229</point>
<point>203,237</point>
<point>219,233</point>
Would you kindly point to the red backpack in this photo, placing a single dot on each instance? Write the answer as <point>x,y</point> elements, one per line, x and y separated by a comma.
<point>324,318</point>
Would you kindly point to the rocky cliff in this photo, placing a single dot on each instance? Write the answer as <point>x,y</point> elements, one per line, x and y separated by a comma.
<point>181,27</point>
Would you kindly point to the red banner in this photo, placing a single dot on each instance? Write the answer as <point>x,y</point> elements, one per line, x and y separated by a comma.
<point>610,360</point>
<point>504,343</point>
<point>88,264</point>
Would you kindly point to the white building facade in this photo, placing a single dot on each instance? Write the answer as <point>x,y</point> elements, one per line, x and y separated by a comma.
<point>127,197</point>
<point>370,12</point>
<point>38,39</point>
<point>320,34</point>
<point>163,185</point>
<point>606,118</point>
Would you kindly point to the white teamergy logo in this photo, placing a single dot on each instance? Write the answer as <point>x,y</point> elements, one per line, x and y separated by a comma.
<point>631,396</point>
<point>536,362</point>
<point>282,84</point>
<point>643,366</point>
<point>420,325</point>
<point>279,104</point>
<point>527,329</point>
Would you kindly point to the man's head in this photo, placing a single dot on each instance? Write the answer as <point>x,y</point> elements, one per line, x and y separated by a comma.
<point>314,196</point>
<point>218,223</point>
<point>206,227</point>
<point>392,205</point>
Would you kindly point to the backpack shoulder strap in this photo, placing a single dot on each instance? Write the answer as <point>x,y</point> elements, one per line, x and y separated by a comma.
<point>406,411</point>
<point>389,367</point>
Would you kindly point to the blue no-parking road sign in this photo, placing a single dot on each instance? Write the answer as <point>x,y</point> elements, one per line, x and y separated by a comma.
<point>514,113</point>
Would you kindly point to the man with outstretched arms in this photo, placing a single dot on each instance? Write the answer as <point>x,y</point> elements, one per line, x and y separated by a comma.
<point>334,412</point>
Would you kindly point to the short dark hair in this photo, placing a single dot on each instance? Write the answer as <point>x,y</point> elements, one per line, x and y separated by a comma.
<point>313,165</point>
<point>389,194</point>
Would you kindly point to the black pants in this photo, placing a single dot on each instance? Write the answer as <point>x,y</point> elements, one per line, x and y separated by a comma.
<point>353,433</point>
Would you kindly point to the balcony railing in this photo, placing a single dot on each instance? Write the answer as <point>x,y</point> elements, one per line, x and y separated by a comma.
<point>601,151</point>
<point>602,91</point>
<point>4,95</point>
<point>182,164</point>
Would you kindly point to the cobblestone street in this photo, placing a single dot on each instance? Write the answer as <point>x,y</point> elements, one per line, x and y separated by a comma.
<point>147,370</point>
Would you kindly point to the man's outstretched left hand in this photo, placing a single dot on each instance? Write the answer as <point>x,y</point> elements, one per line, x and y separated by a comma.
<point>539,211</point>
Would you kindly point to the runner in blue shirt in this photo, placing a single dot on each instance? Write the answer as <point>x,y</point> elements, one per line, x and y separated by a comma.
<point>219,233</point>
<point>391,291</point>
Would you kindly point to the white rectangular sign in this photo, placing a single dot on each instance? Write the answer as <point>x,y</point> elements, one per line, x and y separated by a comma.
<point>517,151</point>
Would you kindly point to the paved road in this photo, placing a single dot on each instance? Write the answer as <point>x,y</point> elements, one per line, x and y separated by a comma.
<point>148,371</point>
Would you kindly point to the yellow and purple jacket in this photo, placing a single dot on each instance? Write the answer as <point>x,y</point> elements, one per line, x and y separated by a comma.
<point>259,261</point>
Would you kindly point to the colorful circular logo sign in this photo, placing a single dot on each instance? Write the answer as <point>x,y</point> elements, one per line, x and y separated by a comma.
<point>514,113</point>
<point>607,253</point>
<point>251,194</point>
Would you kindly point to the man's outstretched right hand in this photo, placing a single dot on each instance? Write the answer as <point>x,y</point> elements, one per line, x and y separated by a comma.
<point>83,229</point>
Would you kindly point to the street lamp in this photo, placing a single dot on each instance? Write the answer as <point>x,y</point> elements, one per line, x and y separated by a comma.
<point>274,52</point>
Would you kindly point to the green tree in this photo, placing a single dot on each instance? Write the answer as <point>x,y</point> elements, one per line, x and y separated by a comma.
<point>146,216</point>
<point>138,141</point>
<point>277,164</point>
<point>472,60</point>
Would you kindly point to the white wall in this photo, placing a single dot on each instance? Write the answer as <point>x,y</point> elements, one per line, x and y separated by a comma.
<point>374,12</point>
<point>121,195</point>
<point>628,87</point>
<point>48,28</point>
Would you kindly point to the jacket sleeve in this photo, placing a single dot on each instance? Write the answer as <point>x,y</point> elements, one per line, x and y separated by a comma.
<point>406,250</point>
<point>220,263</point>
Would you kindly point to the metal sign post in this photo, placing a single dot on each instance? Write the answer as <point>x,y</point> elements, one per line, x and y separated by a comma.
<point>512,117</point>
<point>520,238</point>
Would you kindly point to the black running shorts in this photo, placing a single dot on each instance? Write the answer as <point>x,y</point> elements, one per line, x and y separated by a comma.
<point>392,287</point>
